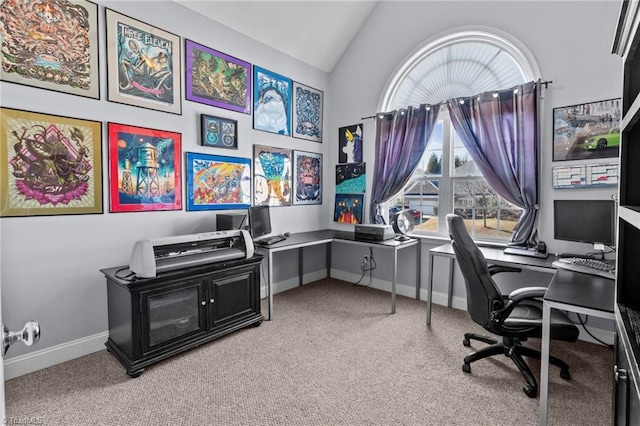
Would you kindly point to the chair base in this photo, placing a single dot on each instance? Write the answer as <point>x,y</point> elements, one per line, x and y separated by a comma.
<point>511,348</point>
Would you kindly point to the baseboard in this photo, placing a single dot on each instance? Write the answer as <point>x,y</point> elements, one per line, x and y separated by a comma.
<point>34,361</point>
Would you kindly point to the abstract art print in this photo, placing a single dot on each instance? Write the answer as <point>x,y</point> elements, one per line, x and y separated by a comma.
<point>143,64</point>
<point>271,176</point>
<point>351,178</point>
<point>350,144</point>
<point>349,208</point>
<point>307,112</point>
<point>218,132</point>
<point>585,131</point>
<point>51,44</point>
<point>215,182</point>
<point>271,102</point>
<point>51,165</point>
<point>307,178</point>
<point>216,79</point>
<point>144,169</point>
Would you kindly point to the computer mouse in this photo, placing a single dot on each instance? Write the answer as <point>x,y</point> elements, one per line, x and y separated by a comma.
<point>286,234</point>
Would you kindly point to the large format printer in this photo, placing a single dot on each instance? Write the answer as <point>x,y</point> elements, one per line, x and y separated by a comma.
<point>151,257</point>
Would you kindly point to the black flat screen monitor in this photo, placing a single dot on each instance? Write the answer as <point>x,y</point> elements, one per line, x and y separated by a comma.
<point>259,221</point>
<point>585,221</point>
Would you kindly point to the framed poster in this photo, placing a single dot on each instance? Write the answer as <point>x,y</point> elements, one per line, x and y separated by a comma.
<point>587,131</point>
<point>271,102</point>
<point>350,144</point>
<point>215,182</point>
<point>307,178</point>
<point>52,45</point>
<point>144,169</point>
<point>218,132</point>
<point>351,178</point>
<point>143,64</point>
<point>271,176</point>
<point>216,79</point>
<point>51,165</point>
<point>349,208</point>
<point>307,112</point>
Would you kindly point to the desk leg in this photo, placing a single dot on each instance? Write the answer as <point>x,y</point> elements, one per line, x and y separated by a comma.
<point>329,260</point>
<point>418,270</point>
<point>450,291</point>
<point>429,288</point>
<point>544,369</point>
<point>270,282</point>
<point>300,265</point>
<point>393,283</point>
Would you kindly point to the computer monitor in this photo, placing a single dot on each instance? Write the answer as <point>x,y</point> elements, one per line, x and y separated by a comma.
<point>259,221</point>
<point>585,221</point>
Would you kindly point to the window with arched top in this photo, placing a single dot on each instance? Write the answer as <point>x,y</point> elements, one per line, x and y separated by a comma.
<point>461,64</point>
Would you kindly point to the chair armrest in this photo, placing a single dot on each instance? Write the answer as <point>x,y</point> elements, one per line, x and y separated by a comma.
<point>496,269</point>
<point>515,297</point>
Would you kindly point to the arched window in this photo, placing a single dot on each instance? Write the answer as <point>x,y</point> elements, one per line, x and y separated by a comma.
<point>461,64</point>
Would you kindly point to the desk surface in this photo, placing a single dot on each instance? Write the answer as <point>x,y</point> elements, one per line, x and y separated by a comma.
<point>327,235</point>
<point>497,256</point>
<point>583,290</point>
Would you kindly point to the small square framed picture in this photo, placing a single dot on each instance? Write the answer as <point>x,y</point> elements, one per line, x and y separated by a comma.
<point>218,132</point>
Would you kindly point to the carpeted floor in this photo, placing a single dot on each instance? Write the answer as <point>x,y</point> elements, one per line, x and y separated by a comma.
<point>333,355</point>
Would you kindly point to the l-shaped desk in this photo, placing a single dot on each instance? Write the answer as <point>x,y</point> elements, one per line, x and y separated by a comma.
<point>327,236</point>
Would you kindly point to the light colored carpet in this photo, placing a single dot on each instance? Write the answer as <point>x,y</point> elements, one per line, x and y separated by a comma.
<point>333,355</point>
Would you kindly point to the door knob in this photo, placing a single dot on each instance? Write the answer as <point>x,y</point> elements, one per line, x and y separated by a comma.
<point>30,335</point>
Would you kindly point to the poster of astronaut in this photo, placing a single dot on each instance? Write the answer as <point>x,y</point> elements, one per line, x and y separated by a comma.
<point>271,176</point>
<point>307,178</point>
<point>144,169</point>
<point>51,165</point>
<point>216,182</point>
<point>307,112</point>
<point>143,64</point>
<point>271,102</point>
<point>350,144</point>
<point>216,79</point>
<point>51,44</point>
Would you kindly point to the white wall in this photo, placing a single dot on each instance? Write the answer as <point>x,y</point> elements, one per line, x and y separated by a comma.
<point>50,265</point>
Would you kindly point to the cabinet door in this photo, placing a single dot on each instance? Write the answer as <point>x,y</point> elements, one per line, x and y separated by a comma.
<point>172,313</point>
<point>233,295</point>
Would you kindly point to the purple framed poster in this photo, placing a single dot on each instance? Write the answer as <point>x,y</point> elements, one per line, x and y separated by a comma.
<point>216,79</point>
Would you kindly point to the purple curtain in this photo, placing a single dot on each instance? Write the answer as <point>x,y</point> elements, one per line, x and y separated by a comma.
<point>401,138</point>
<point>501,134</point>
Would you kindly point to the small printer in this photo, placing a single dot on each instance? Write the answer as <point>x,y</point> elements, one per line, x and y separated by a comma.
<point>374,232</point>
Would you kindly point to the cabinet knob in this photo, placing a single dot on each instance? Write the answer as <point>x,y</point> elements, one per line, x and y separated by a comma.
<point>619,373</point>
<point>212,300</point>
<point>204,302</point>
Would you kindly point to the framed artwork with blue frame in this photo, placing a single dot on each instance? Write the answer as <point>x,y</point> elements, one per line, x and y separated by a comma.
<point>307,178</point>
<point>271,102</point>
<point>216,182</point>
<point>271,176</point>
<point>218,132</point>
<point>307,112</point>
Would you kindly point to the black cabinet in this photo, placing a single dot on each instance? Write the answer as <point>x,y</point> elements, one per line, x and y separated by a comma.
<point>152,319</point>
<point>626,399</point>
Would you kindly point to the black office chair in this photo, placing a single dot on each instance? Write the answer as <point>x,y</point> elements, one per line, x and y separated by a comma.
<point>515,317</point>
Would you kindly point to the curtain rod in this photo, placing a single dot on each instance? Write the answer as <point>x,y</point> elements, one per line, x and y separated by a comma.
<point>542,83</point>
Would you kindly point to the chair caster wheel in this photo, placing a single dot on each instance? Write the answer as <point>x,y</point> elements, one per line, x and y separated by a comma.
<point>530,392</point>
<point>466,367</point>
<point>466,342</point>
<point>565,374</point>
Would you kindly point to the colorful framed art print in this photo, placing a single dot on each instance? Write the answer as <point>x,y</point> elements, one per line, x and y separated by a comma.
<point>307,112</point>
<point>144,169</point>
<point>216,79</point>
<point>349,208</point>
<point>350,144</point>
<point>51,44</point>
<point>51,165</point>
<point>271,102</point>
<point>351,178</point>
<point>271,176</point>
<point>307,178</point>
<point>216,182</point>
<point>143,64</point>
<point>218,132</point>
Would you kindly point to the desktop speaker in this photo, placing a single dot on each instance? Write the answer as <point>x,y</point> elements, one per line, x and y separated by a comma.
<point>230,221</point>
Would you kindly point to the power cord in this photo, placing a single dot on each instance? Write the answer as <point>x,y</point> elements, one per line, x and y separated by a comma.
<point>364,268</point>
<point>584,326</point>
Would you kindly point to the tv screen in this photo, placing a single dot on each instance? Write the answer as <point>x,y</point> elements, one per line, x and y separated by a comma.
<point>585,221</point>
<point>259,221</point>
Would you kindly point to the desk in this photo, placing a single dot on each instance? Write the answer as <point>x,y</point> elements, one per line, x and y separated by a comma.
<point>575,292</point>
<point>327,236</point>
<point>494,256</point>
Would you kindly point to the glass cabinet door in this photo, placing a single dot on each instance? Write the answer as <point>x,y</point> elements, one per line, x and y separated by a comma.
<point>172,313</point>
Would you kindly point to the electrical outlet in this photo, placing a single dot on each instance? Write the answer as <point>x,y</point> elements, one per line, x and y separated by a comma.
<point>598,246</point>
<point>366,259</point>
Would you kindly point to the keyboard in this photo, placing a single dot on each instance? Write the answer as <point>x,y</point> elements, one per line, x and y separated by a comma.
<point>267,241</point>
<point>587,266</point>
